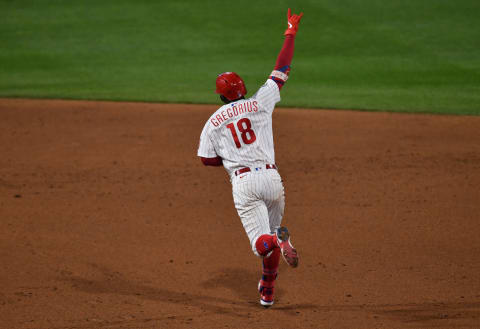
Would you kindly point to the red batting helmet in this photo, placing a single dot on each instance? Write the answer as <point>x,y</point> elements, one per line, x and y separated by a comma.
<point>231,86</point>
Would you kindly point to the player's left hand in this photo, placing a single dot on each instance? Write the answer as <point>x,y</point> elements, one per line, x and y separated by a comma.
<point>293,22</point>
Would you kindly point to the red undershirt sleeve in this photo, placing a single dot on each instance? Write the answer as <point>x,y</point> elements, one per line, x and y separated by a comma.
<point>286,54</point>
<point>284,59</point>
<point>218,161</point>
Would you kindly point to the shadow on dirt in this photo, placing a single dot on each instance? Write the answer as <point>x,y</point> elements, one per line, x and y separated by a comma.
<point>230,292</point>
<point>241,282</point>
<point>425,314</point>
<point>430,312</point>
<point>238,281</point>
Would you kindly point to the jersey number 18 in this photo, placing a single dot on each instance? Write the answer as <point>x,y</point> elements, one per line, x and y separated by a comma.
<point>245,128</point>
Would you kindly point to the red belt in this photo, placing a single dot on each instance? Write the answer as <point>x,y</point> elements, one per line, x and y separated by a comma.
<point>246,169</point>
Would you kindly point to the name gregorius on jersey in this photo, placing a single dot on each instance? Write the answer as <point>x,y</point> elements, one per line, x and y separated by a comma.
<point>241,132</point>
<point>233,111</point>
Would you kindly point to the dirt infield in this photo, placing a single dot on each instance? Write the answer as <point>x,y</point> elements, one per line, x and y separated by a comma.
<point>109,220</point>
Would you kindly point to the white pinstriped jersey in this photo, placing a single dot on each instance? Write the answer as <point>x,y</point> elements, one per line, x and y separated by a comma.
<point>241,132</point>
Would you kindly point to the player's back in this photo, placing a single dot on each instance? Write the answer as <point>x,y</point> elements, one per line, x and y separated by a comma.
<point>241,132</point>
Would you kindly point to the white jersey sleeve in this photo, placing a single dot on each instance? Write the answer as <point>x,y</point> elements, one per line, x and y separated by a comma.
<point>206,148</point>
<point>268,95</point>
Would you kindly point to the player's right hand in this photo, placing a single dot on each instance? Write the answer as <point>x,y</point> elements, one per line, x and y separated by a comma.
<point>293,21</point>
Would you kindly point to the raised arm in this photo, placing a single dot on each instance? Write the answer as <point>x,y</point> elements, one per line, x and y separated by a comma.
<point>282,67</point>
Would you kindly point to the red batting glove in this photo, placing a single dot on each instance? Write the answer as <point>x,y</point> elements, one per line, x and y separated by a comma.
<point>293,21</point>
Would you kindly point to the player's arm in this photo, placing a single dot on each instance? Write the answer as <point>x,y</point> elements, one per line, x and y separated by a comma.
<point>206,149</point>
<point>218,161</point>
<point>284,59</point>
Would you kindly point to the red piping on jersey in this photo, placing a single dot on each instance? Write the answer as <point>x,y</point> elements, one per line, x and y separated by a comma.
<point>284,58</point>
<point>218,161</point>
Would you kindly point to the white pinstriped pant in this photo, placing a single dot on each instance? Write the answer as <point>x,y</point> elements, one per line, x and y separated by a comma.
<point>260,201</point>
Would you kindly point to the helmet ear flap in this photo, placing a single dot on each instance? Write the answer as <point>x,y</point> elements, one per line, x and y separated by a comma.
<point>224,99</point>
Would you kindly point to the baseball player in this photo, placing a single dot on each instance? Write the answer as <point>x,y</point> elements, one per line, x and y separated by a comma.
<point>239,137</point>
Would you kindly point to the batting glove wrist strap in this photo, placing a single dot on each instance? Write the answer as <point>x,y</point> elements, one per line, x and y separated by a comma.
<point>280,75</point>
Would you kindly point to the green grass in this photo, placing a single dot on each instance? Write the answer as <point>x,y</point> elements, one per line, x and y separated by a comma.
<point>398,55</point>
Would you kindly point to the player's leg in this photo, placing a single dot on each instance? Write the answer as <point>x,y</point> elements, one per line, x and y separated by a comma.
<point>274,199</point>
<point>276,206</point>
<point>252,212</point>
<point>266,286</point>
<point>254,216</point>
<point>267,245</point>
<point>270,190</point>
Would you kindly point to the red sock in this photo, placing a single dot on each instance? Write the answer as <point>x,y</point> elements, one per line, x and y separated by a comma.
<point>265,243</point>
<point>270,265</point>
